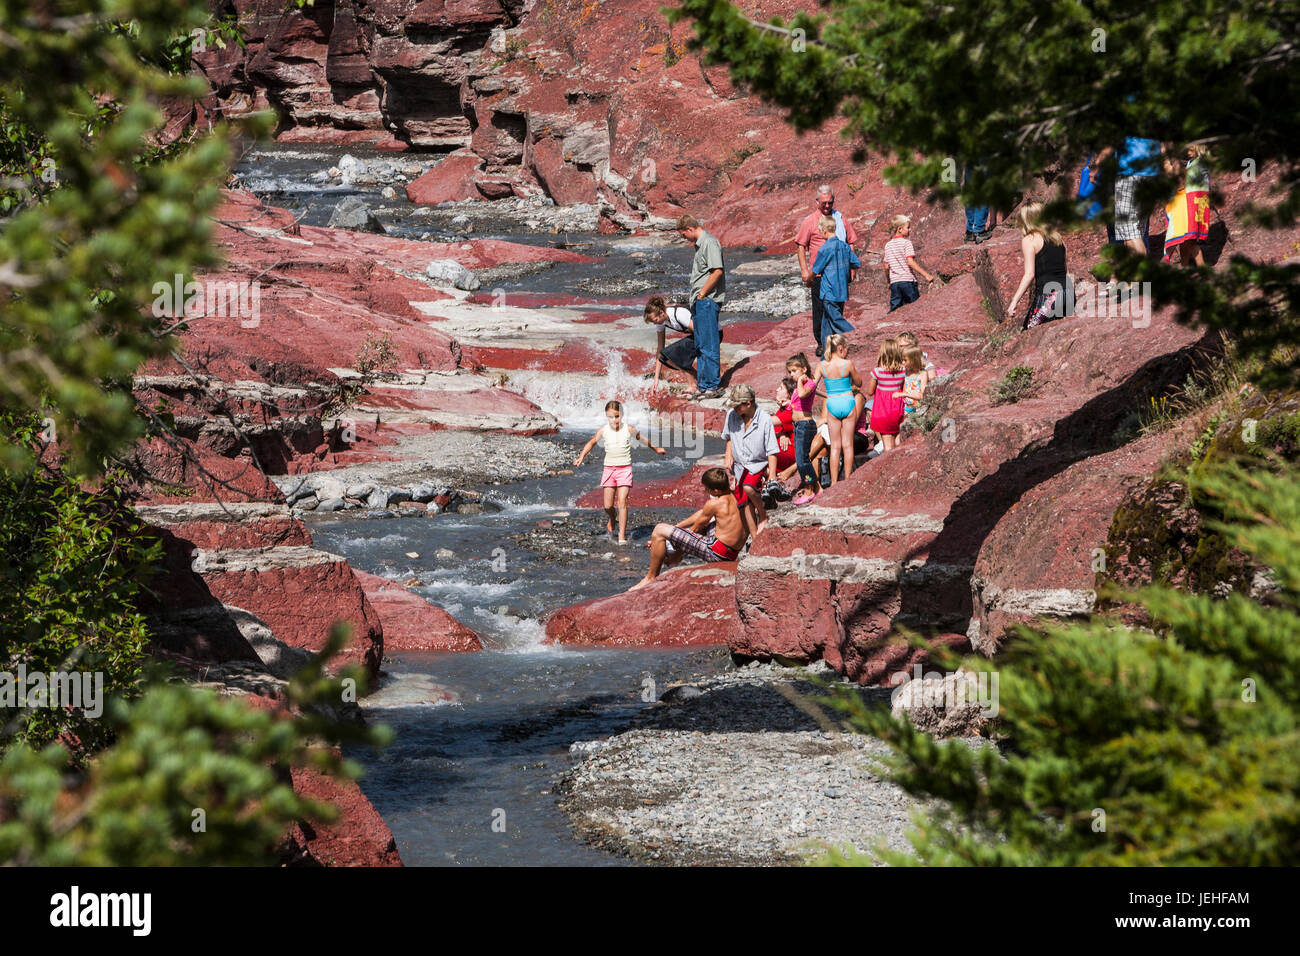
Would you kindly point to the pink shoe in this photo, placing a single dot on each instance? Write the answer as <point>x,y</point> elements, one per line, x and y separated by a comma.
<point>804,498</point>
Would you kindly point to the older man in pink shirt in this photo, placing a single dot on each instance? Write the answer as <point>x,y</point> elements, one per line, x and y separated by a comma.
<point>806,243</point>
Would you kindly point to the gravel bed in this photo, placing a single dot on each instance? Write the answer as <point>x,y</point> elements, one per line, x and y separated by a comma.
<point>728,771</point>
<point>785,298</point>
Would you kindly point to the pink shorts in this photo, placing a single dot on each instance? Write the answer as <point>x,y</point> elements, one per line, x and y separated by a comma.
<point>616,476</point>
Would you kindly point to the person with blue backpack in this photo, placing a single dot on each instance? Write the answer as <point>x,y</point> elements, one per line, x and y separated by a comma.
<point>1089,206</point>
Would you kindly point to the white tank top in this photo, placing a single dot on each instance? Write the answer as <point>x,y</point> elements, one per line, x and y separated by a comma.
<point>679,319</point>
<point>618,445</point>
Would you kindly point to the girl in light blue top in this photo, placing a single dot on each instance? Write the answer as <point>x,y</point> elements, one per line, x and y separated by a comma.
<point>842,408</point>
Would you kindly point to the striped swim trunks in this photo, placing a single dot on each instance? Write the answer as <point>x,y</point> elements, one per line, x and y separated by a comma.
<point>707,549</point>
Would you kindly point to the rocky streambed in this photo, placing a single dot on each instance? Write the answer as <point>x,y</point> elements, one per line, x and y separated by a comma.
<point>739,768</point>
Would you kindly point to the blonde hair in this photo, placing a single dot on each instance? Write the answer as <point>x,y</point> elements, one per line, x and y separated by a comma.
<point>826,223</point>
<point>913,360</point>
<point>1198,150</point>
<point>890,356</point>
<point>838,343</point>
<point>906,340</point>
<point>1027,221</point>
<point>898,222</point>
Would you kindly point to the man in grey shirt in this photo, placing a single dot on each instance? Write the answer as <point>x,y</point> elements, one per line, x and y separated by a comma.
<point>751,450</point>
<point>708,293</point>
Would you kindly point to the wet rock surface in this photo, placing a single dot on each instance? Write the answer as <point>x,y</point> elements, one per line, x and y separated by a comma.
<point>788,297</point>
<point>353,213</point>
<point>412,623</point>
<point>615,287</point>
<point>692,604</point>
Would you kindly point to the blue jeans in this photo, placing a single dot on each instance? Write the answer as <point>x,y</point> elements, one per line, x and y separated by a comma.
<point>833,321</point>
<point>708,366</point>
<point>901,293</point>
<point>804,433</point>
<point>818,309</point>
<point>977,217</point>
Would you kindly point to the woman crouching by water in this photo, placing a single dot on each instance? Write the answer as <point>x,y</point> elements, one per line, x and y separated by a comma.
<point>1044,252</point>
<point>681,354</point>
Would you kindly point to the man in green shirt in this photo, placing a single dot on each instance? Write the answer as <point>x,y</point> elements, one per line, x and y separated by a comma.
<point>708,292</point>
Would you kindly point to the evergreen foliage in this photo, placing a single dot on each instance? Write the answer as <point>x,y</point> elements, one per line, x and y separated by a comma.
<point>73,564</point>
<point>1175,748</point>
<point>94,217</point>
<point>94,210</point>
<point>191,779</point>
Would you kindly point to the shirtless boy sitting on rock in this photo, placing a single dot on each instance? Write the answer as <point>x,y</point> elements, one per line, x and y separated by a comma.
<point>670,543</point>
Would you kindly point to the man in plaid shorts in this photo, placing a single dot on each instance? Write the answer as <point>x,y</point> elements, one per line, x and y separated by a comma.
<point>1139,158</point>
<point>670,543</point>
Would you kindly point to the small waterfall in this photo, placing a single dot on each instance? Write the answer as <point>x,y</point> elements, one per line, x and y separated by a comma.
<point>578,399</point>
<point>511,634</point>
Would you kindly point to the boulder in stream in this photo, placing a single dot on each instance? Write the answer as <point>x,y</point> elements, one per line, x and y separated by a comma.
<point>449,270</point>
<point>353,213</point>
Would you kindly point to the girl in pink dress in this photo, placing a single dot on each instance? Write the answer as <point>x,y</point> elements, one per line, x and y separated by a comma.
<point>885,388</point>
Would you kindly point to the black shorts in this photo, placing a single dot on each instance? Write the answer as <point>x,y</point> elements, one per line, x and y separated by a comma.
<point>681,354</point>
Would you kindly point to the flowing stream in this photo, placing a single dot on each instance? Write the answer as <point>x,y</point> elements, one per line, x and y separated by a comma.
<point>481,737</point>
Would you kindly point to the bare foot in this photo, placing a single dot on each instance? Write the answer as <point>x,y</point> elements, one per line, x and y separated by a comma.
<point>640,584</point>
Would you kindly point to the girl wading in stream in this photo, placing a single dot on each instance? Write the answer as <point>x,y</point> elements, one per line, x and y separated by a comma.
<point>617,476</point>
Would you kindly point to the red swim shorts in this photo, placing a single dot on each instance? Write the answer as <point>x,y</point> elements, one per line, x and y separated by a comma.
<point>751,479</point>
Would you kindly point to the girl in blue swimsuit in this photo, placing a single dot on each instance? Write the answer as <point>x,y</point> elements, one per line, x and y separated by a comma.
<point>841,403</point>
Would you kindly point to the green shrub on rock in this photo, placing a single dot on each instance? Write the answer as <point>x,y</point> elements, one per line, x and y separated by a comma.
<point>1123,747</point>
<point>72,567</point>
<point>1017,384</point>
<point>191,778</point>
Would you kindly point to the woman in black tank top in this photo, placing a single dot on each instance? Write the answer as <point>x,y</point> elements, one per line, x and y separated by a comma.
<point>1044,253</point>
